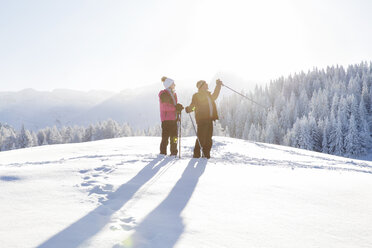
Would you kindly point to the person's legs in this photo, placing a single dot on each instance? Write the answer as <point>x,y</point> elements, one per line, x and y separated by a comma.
<point>202,139</point>
<point>164,137</point>
<point>208,139</point>
<point>173,137</point>
<point>196,149</point>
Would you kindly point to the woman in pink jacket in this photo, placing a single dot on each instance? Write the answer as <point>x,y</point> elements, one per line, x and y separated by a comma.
<point>169,114</point>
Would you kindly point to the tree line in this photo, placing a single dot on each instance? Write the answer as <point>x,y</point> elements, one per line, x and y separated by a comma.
<point>324,110</point>
<point>12,139</point>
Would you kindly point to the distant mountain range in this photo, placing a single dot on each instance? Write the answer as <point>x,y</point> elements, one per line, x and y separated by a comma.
<point>62,107</point>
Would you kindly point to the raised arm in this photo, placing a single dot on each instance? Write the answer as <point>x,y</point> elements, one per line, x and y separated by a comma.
<point>217,89</point>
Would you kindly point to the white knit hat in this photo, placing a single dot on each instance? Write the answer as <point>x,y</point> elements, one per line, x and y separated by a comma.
<point>168,83</point>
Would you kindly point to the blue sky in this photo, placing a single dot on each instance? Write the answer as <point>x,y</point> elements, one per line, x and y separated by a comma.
<point>114,45</point>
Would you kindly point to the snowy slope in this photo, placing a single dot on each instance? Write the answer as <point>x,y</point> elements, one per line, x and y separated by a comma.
<point>118,193</point>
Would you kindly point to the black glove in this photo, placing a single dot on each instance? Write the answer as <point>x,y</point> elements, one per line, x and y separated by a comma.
<point>179,107</point>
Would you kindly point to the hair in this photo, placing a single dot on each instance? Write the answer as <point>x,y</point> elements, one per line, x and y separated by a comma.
<point>163,79</point>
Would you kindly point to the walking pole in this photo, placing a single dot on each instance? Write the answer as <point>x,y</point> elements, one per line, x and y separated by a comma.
<point>245,96</point>
<point>197,138</point>
<point>179,135</point>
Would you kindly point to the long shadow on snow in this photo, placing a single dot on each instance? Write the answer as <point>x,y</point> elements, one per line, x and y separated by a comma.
<point>93,222</point>
<point>163,226</point>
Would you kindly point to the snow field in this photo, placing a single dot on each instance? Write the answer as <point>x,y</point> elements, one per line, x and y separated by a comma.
<point>118,193</point>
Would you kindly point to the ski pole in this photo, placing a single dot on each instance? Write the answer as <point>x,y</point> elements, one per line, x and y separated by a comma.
<point>179,135</point>
<point>245,96</point>
<point>197,138</point>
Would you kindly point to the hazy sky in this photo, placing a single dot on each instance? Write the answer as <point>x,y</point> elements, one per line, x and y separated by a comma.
<point>113,45</point>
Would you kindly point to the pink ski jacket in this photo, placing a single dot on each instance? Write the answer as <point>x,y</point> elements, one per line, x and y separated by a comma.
<point>167,106</point>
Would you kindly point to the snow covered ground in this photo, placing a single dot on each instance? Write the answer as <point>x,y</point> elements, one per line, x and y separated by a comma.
<point>119,193</point>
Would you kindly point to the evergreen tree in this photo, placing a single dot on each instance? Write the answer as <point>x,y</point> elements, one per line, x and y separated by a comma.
<point>246,131</point>
<point>88,134</point>
<point>7,138</point>
<point>9,143</point>
<point>339,138</point>
<point>67,134</point>
<point>352,141</point>
<point>315,134</point>
<point>366,96</point>
<point>272,134</point>
<point>24,138</point>
<point>253,133</point>
<point>54,136</point>
<point>325,136</point>
<point>41,138</point>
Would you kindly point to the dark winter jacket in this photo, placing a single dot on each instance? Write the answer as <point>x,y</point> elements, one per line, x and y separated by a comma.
<point>167,106</point>
<point>205,105</point>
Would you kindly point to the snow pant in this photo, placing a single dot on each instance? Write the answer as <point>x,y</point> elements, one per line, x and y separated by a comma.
<point>204,132</point>
<point>169,131</point>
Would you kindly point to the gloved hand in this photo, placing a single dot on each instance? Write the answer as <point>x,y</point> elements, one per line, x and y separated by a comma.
<point>219,82</point>
<point>188,109</point>
<point>179,107</point>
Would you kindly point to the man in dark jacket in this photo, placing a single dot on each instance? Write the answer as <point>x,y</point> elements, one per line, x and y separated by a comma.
<point>203,102</point>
